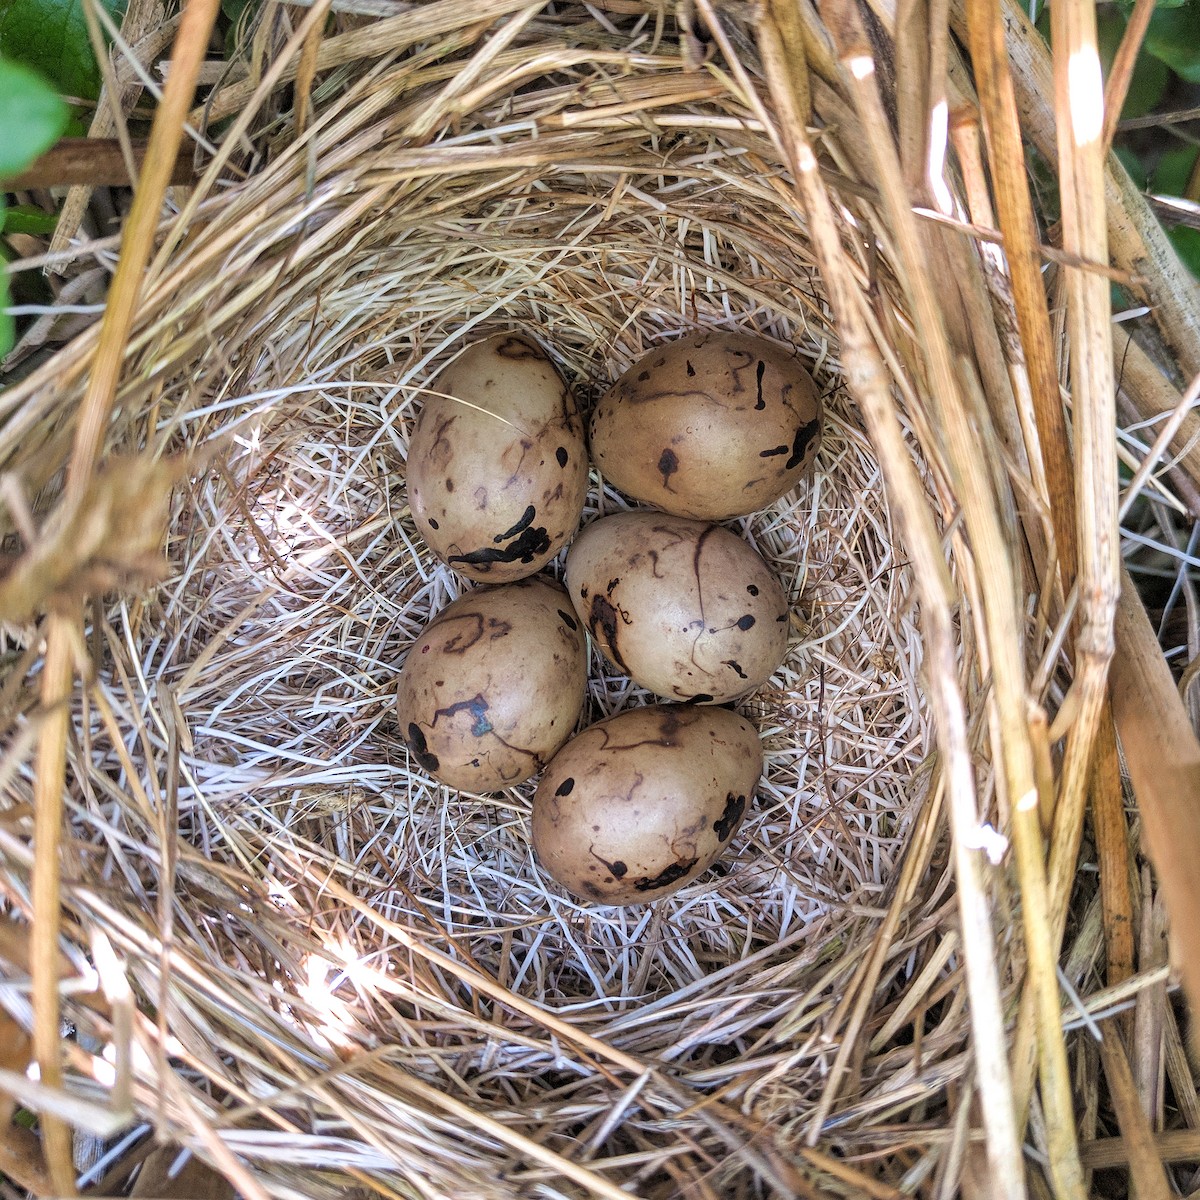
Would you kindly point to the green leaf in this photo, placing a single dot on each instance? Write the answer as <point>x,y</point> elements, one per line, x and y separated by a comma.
<point>1133,164</point>
<point>1187,245</point>
<point>1174,38</point>
<point>1170,177</point>
<point>52,36</point>
<point>24,218</point>
<point>32,117</point>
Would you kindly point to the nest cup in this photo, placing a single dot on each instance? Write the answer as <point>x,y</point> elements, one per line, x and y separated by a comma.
<point>341,972</point>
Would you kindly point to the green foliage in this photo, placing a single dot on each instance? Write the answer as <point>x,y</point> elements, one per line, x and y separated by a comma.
<point>1187,245</point>
<point>51,36</point>
<point>1173,170</point>
<point>32,118</point>
<point>1150,75</point>
<point>24,218</point>
<point>1174,38</point>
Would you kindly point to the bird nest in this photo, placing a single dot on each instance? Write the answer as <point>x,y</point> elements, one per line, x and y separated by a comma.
<point>309,963</point>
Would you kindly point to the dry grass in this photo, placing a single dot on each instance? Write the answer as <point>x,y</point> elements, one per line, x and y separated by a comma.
<point>294,954</point>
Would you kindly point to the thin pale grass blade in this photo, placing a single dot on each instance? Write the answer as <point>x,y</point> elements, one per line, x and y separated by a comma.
<point>1154,397</point>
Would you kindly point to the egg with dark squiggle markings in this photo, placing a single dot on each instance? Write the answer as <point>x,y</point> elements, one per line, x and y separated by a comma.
<point>494,685</point>
<point>713,425</point>
<point>497,465</point>
<point>637,806</point>
<point>685,608</point>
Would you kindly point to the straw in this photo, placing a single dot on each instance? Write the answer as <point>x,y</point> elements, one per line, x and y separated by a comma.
<point>287,949</point>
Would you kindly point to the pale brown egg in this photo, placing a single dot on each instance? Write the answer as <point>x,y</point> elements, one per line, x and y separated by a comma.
<point>497,466</point>
<point>713,425</point>
<point>637,806</point>
<point>685,608</point>
<point>494,685</point>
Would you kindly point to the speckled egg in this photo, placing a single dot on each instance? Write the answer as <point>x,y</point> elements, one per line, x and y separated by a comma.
<point>494,685</point>
<point>497,465</point>
<point>685,608</point>
<point>713,425</point>
<point>640,804</point>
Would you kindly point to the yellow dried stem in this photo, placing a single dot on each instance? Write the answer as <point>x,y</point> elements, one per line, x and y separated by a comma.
<point>1112,852</point>
<point>914,102</point>
<point>48,813</point>
<point>1006,157</point>
<point>1137,242</point>
<point>1145,1167</point>
<point>1180,1145</point>
<point>785,15</point>
<point>1163,759</point>
<point>1080,107</point>
<point>306,71</point>
<point>191,45</point>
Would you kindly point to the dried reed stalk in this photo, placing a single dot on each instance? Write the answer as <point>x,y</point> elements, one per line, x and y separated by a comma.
<point>867,381</point>
<point>985,30</point>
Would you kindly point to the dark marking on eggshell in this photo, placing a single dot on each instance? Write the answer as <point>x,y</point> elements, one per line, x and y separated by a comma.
<point>603,624</point>
<point>566,787</point>
<point>752,589</point>
<point>668,464</point>
<point>460,643</point>
<point>773,452</point>
<point>419,748</point>
<point>804,438</point>
<point>568,620</point>
<point>745,622</point>
<point>735,667</point>
<point>735,373</point>
<point>477,706</point>
<point>562,456</point>
<point>666,877</point>
<point>523,524</point>
<point>517,348</point>
<point>441,444</point>
<point>725,824</point>
<point>525,549</point>
<point>700,698</point>
<point>690,369</point>
<point>759,371</point>
<point>433,524</point>
<point>618,868</point>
